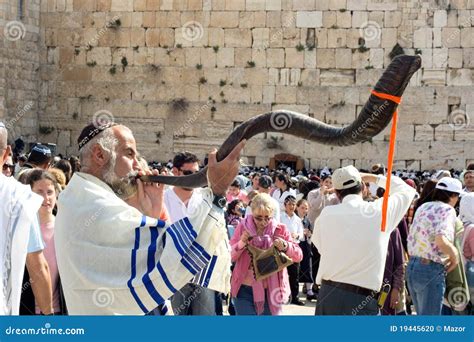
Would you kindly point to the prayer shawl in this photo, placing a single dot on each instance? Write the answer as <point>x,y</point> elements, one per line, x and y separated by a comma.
<point>19,211</point>
<point>114,260</point>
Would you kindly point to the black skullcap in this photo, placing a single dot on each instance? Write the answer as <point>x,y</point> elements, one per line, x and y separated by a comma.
<point>91,131</point>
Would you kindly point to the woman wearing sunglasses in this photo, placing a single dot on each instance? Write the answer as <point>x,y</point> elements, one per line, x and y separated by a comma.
<point>265,297</point>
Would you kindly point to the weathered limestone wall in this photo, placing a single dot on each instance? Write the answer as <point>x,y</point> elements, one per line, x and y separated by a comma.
<point>19,66</point>
<point>183,73</point>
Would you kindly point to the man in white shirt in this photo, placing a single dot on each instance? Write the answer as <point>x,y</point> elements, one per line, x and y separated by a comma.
<point>353,248</point>
<point>20,242</point>
<point>468,179</point>
<point>294,225</point>
<point>191,299</point>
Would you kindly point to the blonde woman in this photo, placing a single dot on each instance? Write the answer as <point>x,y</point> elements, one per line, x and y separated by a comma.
<point>252,297</point>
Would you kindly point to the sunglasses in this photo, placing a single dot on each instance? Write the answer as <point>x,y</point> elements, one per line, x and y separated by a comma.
<point>6,166</point>
<point>188,172</point>
<point>262,218</point>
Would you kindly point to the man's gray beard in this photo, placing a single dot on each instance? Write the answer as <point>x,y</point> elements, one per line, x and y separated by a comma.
<point>125,187</point>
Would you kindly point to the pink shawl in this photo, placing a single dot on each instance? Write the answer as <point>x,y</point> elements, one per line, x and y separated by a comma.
<point>277,284</point>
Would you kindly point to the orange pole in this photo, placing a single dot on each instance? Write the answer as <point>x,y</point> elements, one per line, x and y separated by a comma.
<point>391,154</point>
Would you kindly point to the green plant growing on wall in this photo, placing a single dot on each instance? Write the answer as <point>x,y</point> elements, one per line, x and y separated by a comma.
<point>199,66</point>
<point>274,142</point>
<point>158,137</point>
<point>215,48</point>
<point>222,83</point>
<point>91,64</point>
<point>124,63</point>
<point>45,130</point>
<point>113,69</point>
<point>180,104</point>
<point>155,67</point>
<point>251,64</point>
<point>202,80</point>
<point>115,24</point>
<point>299,47</point>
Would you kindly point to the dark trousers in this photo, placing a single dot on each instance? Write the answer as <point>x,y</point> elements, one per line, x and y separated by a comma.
<point>293,271</point>
<point>336,301</point>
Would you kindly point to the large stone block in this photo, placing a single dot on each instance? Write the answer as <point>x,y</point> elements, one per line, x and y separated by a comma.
<point>225,19</point>
<point>275,58</point>
<point>359,18</point>
<point>237,38</point>
<point>337,77</point>
<point>337,38</point>
<point>343,58</point>
<point>293,58</point>
<point>326,58</point>
<point>309,19</point>
<point>122,6</point>
<point>460,77</point>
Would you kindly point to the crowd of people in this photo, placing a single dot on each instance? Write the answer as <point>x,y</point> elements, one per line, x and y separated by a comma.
<point>76,229</point>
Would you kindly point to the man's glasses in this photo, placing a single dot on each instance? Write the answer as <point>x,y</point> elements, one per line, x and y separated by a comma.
<point>6,166</point>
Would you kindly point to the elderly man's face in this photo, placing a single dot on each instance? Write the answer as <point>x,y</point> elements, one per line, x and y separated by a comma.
<point>120,171</point>
<point>126,150</point>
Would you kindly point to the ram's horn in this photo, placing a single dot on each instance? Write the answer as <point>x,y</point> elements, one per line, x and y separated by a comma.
<point>373,118</point>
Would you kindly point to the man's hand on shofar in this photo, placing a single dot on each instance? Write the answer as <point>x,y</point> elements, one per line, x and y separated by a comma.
<point>150,196</point>
<point>222,174</point>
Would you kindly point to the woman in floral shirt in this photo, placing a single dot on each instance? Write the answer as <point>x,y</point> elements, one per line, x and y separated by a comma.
<point>431,249</point>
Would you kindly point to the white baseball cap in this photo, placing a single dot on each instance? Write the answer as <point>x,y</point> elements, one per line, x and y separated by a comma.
<point>450,184</point>
<point>346,177</point>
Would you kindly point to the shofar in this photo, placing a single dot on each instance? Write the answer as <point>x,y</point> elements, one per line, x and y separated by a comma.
<point>373,118</point>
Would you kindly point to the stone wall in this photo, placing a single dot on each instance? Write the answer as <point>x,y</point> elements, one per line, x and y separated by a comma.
<point>19,67</point>
<point>182,74</point>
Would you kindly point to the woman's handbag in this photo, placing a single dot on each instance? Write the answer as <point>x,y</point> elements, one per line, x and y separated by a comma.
<point>267,262</point>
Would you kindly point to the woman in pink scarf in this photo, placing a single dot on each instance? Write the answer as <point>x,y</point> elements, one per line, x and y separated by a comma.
<point>252,297</point>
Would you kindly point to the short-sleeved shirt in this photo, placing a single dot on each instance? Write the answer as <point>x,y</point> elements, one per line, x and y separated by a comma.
<point>35,241</point>
<point>431,219</point>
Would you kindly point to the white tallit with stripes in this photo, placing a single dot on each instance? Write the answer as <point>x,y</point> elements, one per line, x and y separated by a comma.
<point>114,260</point>
<point>19,208</point>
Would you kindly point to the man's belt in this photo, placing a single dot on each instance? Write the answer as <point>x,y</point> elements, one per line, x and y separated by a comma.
<point>351,288</point>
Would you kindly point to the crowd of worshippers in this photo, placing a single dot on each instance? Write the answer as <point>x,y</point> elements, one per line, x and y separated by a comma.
<point>327,222</point>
